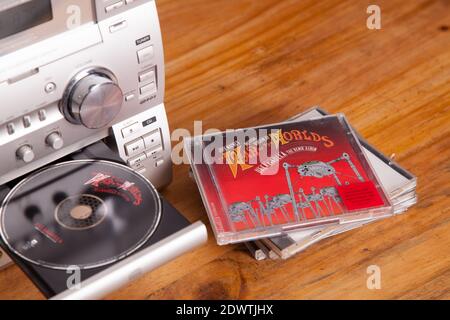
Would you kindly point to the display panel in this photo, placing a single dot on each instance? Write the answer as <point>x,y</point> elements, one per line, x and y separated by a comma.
<point>19,16</point>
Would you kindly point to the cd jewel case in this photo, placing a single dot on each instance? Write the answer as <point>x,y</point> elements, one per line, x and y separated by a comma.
<point>398,182</point>
<point>265,181</point>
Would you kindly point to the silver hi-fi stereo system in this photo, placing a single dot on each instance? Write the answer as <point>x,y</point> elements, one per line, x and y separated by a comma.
<point>82,81</point>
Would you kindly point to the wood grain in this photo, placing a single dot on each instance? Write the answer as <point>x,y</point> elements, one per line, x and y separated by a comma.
<point>236,63</point>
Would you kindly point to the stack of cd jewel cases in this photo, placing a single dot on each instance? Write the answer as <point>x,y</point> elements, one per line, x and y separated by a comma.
<point>323,180</point>
<point>398,182</point>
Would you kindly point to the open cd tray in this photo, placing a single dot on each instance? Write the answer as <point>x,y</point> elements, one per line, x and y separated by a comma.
<point>174,236</point>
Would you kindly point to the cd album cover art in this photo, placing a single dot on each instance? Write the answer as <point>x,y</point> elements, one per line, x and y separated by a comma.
<point>262,181</point>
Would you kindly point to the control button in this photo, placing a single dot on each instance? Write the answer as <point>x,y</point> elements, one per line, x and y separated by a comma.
<point>129,97</point>
<point>54,140</point>
<point>147,90</point>
<point>50,87</point>
<point>148,76</point>
<point>152,139</point>
<point>114,6</point>
<point>11,128</point>
<point>142,170</point>
<point>128,131</point>
<point>146,54</point>
<point>25,153</point>
<point>26,121</point>
<point>138,166</point>
<point>134,147</point>
<point>159,163</point>
<point>42,114</point>
<point>118,26</point>
<point>134,162</point>
<point>153,153</point>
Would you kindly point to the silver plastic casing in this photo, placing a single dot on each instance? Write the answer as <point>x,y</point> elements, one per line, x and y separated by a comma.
<point>38,67</point>
<point>138,264</point>
<point>40,64</point>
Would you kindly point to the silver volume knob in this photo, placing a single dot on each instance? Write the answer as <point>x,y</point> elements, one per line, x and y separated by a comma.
<point>25,153</point>
<point>92,99</point>
<point>55,141</point>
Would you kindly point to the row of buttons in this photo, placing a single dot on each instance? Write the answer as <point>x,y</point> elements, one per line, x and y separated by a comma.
<point>136,126</point>
<point>54,140</point>
<point>148,79</point>
<point>146,147</point>
<point>117,5</point>
<point>147,141</point>
<point>137,161</point>
<point>26,121</point>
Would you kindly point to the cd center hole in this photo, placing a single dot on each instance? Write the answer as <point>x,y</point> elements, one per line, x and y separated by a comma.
<point>81,212</point>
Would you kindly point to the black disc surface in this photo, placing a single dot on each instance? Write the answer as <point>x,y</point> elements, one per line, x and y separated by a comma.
<point>80,213</point>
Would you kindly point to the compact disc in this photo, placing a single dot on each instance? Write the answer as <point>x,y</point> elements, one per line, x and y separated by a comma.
<point>83,213</point>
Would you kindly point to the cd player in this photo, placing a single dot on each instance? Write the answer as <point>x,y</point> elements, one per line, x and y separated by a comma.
<point>71,75</point>
<point>76,74</point>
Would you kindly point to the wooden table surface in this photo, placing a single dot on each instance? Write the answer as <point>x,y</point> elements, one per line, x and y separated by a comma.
<point>237,63</point>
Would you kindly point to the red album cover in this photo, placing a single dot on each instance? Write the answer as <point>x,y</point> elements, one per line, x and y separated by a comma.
<point>259,182</point>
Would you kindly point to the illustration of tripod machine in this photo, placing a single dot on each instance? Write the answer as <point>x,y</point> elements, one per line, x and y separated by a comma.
<point>320,201</point>
<point>324,199</point>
